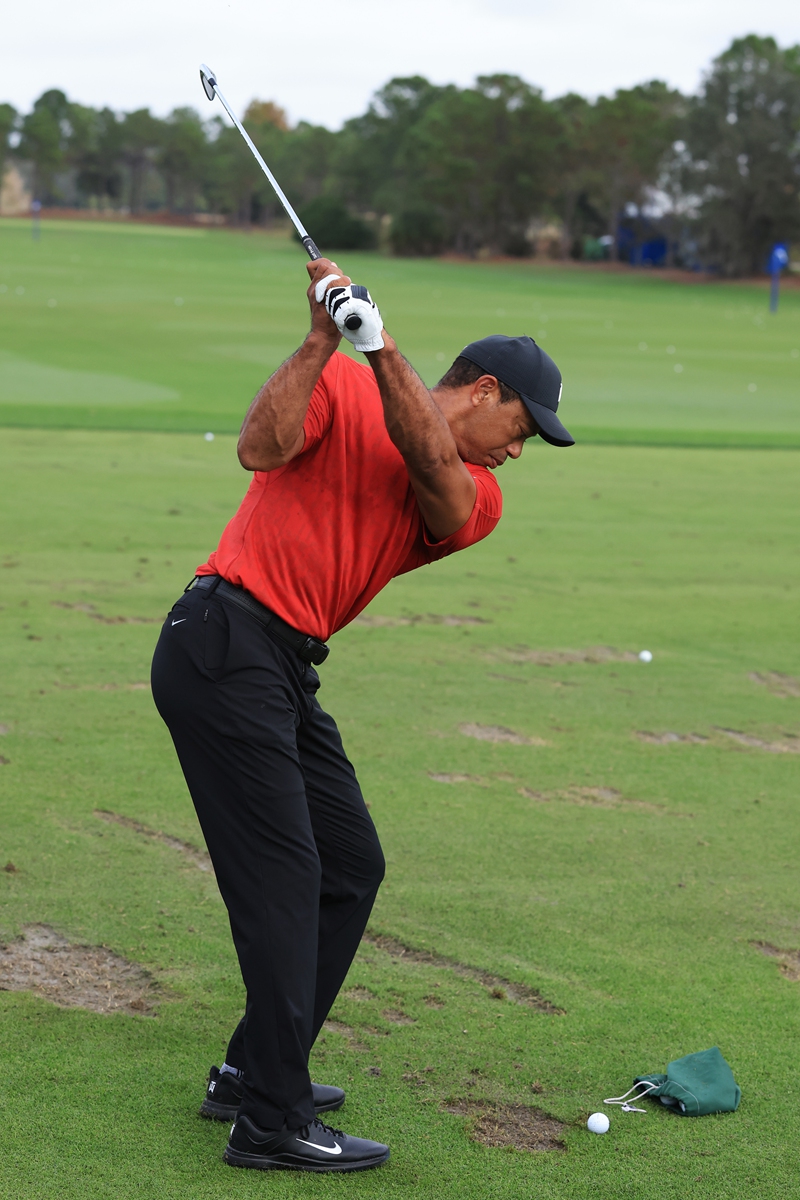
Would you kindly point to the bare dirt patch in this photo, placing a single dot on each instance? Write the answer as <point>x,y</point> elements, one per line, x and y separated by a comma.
<point>777,683</point>
<point>788,960</point>
<point>344,1031</point>
<point>790,744</point>
<point>396,1017</point>
<point>605,797</point>
<point>516,993</point>
<point>139,686</point>
<point>557,658</point>
<point>194,854</point>
<point>375,621</point>
<point>444,777</point>
<point>4,729</point>
<point>92,612</point>
<point>44,962</point>
<point>668,738</point>
<point>532,794</point>
<point>510,1125</point>
<point>358,993</point>
<point>498,733</point>
<point>592,797</point>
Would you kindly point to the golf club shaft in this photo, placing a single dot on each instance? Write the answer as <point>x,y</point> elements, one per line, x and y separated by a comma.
<point>308,243</point>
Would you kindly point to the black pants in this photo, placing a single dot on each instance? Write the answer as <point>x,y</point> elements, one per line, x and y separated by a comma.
<point>294,849</point>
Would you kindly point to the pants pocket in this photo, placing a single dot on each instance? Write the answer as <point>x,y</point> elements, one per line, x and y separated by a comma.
<point>217,637</point>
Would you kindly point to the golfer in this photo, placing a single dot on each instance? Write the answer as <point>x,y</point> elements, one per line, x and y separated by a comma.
<point>360,473</point>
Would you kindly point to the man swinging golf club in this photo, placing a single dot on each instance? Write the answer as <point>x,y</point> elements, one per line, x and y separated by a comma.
<point>360,474</point>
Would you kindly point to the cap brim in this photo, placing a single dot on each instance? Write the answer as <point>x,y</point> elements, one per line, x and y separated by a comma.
<point>550,428</point>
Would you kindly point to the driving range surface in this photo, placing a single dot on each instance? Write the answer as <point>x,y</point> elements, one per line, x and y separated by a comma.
<point>583,901</point>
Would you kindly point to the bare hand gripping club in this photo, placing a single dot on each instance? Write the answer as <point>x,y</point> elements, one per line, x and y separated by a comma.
<point>209,82</point>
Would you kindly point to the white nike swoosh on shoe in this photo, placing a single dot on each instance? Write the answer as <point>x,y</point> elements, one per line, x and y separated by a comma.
<point>336,1150</point>
<point>181,621</point>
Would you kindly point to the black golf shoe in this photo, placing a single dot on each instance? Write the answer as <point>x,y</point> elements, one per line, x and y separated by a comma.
<point>224,1095</point>
<point>315,1147</point>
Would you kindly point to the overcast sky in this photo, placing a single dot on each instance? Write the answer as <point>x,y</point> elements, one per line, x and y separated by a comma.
<point>323,60</point>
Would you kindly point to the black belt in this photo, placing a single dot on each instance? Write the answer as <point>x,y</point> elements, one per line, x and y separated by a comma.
<point>309,649</point>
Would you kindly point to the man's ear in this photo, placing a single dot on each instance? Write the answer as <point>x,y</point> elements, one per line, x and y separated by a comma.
<point>482,389</point>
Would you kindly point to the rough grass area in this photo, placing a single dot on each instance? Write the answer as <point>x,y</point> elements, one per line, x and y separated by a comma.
<point>614,889</point>
<point>115,327</point>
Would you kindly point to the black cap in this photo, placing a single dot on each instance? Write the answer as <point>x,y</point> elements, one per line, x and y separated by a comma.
<point>522,365</point>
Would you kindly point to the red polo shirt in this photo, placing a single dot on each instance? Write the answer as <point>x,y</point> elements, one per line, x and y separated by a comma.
<point>317,539</point>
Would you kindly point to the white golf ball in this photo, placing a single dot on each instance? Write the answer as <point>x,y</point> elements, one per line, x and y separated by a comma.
<point>598,1123</point>
<point>645,656</point>
<point>209,437</point>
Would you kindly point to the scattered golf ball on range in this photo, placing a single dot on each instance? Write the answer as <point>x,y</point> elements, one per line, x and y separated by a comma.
<point>210,437</point>
<point>598,1123</point>
<point>645,656</point>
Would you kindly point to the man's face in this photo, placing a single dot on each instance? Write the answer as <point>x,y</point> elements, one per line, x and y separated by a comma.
<point>488,431</point>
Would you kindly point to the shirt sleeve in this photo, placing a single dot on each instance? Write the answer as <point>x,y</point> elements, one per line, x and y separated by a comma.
<point>320,406</point>
<point>486,512</point>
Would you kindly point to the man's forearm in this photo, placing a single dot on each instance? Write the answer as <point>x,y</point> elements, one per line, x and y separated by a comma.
<point>414,422</point>
<point>272,430</point>
<point>444,488</point>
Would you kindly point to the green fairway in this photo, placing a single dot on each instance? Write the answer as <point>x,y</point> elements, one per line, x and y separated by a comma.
<point>142,327</point>
<point>626,880</point>
<point>609,886</point>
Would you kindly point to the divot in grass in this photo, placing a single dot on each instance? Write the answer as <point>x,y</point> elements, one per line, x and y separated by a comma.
<point>498,733</point>
<point>789,746</point>
<point>346,1032</point>
<point>510,1125</point>
<point>444,777</point>
<point>92,612</point>
<point>516,993</point>
<point>396,1017</point>
<point>605,797</point>
<point>668,738</point>
<point>194,854</point>
<point>44,962</point>
<point>358,993</point>
<point>788,960</point>
<point>594,797</point>
<point>139,686</point>
<point>777,683</point>
<point>556,658</point>
<point>375,621</point>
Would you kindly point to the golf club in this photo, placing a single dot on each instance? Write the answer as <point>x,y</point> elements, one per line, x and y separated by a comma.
<point>209,82</point>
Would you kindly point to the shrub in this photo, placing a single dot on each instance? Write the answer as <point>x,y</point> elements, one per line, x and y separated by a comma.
<point>418,229</point>
<point>517,246</point>
<point>333,228</point>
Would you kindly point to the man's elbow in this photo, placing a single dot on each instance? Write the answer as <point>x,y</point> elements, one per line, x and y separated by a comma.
<point>255,458</point>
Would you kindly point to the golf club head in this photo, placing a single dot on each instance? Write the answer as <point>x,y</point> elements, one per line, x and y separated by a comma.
<point>208,80</point>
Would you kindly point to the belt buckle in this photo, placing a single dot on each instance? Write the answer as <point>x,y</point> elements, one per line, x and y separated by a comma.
<point>313,651</point>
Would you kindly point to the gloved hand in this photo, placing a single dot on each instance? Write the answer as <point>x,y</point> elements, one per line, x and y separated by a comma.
<point>354,313</point>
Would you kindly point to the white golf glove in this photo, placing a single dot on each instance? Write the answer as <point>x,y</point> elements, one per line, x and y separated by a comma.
<point>354,313</point>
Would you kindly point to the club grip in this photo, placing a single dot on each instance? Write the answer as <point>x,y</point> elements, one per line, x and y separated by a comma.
<point>310,248</point>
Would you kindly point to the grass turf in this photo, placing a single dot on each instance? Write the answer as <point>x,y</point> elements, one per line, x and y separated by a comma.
<point>627,881</point>
<point>636,914</point>
<point>137,327</point>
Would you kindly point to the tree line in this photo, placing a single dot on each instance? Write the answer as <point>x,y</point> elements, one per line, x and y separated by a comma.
<point>710,180</point>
